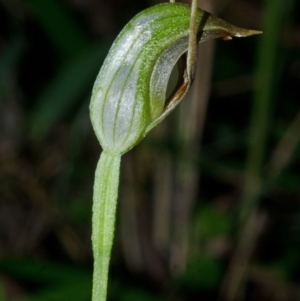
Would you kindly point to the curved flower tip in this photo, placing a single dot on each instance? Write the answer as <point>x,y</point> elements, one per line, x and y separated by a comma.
<point>241,32</point>
<point>219,28</point>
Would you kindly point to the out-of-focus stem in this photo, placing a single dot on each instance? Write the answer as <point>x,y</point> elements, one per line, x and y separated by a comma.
<point>262,108</point>
<point>190,122</point>
<point>276,13</point>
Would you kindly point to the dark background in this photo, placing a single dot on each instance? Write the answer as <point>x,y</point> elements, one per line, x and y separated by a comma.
<point>209,205</point>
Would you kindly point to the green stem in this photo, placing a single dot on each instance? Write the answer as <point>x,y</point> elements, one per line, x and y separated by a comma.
<point>104,215</point>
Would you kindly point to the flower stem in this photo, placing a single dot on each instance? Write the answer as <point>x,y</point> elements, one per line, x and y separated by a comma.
<point>104,215</point>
